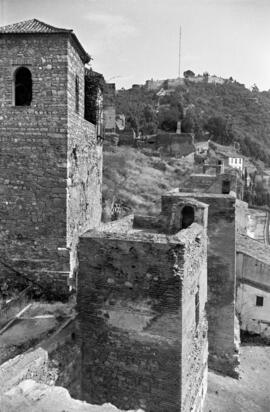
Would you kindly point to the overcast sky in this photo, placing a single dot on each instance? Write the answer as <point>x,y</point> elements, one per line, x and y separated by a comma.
<point>135,40</point>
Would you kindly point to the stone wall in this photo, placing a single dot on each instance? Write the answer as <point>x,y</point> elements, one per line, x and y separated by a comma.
<point>141,304</point>
<point>33,155</point>
<point>223,331</point>
<point>27,384</point>
<point>172,144</point>
<point>50,163</point>
<point>214,183</point>
<point>84,164</point>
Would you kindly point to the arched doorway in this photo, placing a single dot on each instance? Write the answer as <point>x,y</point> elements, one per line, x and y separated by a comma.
<point>187,215</point>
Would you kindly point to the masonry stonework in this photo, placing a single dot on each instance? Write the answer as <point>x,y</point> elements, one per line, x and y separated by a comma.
<point>142,290</point>
<point>223,333</point>
<point>50,180</point>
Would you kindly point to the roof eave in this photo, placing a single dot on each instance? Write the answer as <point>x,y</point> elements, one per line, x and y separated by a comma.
<point>83,54</point>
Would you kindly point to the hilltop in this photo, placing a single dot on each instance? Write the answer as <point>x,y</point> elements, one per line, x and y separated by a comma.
<point>226,113</point>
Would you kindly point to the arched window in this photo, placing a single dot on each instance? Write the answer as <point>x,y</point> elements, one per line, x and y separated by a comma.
<point>187,216</point>
<point>23,87</point>
<point>77,94</point>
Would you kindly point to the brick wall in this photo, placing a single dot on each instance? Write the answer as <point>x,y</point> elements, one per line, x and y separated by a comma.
<point>142,344</point>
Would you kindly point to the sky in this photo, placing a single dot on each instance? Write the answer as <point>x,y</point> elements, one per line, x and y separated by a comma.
<point>131,41</point>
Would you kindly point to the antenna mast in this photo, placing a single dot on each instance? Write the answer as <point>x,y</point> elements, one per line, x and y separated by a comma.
<point>179,61</point>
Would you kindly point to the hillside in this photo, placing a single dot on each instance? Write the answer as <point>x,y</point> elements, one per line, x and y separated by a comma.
<point>224,112</point>
<point>136,181</point>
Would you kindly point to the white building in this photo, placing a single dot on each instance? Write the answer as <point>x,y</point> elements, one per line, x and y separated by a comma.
<point>236,163</point>
<point>253,292</point>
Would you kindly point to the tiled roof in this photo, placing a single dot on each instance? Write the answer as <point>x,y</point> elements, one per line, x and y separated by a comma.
<point>32,26</point>
<point>36,26</point>
<point>253,248</point>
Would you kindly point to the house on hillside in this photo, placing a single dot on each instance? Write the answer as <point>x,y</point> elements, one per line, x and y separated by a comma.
<point>216,79</point>
<point>235,162</point>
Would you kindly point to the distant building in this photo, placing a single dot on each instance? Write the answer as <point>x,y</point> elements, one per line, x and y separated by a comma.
<point>253,292</point>
<point>166,83</point>
<point>235,162</point>
<point>109,108</point>
<point>153,84</point>
<point>171,144</point>
<point>216,80</point>
<point>120,122</point>
<point>161,92</point>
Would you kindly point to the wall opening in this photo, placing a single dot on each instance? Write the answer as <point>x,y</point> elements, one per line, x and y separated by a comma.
<point>23,87</point>
<point>226,187</point>
<point>77,94</point>
<point>187,216</point>
<point>197,308</point>
<point>74,154</point>
<point>259,300</point>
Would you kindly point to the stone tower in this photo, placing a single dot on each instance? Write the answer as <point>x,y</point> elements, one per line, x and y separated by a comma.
<point>50,163</point>
<point>142,290</point>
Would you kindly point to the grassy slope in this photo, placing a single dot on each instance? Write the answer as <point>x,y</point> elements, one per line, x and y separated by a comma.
<point>139,180</point>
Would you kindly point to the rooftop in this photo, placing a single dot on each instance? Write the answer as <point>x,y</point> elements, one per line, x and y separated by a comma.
<point>32,26</point>
<point>123,229</point>
<point>36,26</point>
<point>176,192</point>
<point>253,248</point>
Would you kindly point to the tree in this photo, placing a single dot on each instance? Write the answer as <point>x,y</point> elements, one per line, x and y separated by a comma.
<point>254,88</point>
<point>189,73</point>
<point>188,123</point>
<point>220,130</point>
<point>148,120</point>
<point>94,84</point>
<point>205,76</point>
<point>168,120</point>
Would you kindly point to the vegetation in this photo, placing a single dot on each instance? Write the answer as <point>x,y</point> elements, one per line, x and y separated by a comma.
<point>94,84</point>
<point>226,112</point>
<point>136,180</point>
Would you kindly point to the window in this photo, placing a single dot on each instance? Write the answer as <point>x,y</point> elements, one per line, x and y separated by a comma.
<point>187,216</point>
<point>22,87</point>
<point>197,308</point>
<point>77,94</point>
<point>226,187</point>
<point>259,300</point>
